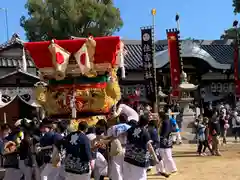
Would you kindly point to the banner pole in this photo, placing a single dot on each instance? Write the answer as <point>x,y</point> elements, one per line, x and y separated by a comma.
<point>236,62</point>
<point>155,104</point>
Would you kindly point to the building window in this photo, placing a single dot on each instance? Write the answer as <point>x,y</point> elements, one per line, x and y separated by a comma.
<point>128,90</point>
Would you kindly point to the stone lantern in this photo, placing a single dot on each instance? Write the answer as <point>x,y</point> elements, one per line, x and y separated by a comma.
<point>161,101</point>
<point>188,115</point>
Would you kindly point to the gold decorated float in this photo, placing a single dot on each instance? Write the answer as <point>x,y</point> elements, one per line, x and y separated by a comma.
<point>92,120</point>
<point>80,75</point>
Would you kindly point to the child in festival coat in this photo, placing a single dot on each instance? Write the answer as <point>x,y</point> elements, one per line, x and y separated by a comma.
<point>214,130</point>
<point>202,136</point>
<point>207,142</point>
<point>175,130</point>
<point>226,126</point>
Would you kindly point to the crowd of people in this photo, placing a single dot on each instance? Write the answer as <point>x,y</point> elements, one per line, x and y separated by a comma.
<point>124,151</point>
<point>213,127</point>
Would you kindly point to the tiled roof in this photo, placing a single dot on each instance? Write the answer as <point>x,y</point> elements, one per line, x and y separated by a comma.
<point>220,50</point>
<point>14,62</point>
<point>221,53</point>
<point>133,57</point>
<point>13,41</point>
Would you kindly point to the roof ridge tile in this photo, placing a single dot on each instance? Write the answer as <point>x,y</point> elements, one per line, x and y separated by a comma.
<point>14,40</point>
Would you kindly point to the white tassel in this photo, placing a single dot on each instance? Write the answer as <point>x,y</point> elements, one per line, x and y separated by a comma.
<point>74,113</point>
<point>24,61</point>
<point>115,109</point>
<point>121,59</point>
<point>73,105</point>
<point>122,65</point>
<point>64,100</point>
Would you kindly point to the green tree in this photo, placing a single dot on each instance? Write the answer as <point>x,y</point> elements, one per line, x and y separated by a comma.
<point>231,32</point>
<point>48,19</point>
<point>236,6</point>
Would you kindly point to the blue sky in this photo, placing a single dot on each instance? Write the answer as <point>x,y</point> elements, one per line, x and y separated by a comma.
<point>205,19</point>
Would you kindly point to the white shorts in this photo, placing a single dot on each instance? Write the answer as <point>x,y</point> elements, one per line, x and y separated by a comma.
<point>132,172</point>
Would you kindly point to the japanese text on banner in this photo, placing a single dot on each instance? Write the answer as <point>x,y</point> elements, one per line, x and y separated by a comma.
<point>147,60</point>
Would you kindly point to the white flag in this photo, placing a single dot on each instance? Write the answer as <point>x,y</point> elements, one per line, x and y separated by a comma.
<point>82,59</point>
<point>60,58</point>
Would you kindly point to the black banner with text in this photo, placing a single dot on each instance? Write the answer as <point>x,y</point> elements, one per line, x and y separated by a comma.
<point>147,61</point>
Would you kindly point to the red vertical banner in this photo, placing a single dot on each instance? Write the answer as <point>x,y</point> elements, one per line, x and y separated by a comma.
<point>174,58</point>
<point>236,69</point>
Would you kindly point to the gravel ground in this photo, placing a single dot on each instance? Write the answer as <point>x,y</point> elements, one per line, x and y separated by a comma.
<point>192,167</point>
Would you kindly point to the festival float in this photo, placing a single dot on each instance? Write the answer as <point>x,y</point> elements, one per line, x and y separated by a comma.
<point>78,76</point>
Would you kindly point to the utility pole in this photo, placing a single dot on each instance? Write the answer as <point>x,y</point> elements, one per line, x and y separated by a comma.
<point>6,21</point>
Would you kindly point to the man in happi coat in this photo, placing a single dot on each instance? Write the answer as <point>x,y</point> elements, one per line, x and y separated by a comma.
<point>138,150</point>
<point>25,156</point>
<point>153,132</point>
<point>60,132</point>
<point>78,158</point>
<point>48,139</point>
<point>117,148</point>
<point>166,144</point>
<point>123,108</point>
<point>10,153</point>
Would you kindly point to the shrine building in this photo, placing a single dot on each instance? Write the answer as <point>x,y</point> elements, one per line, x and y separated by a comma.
<point>17,79</point>
<point>208,63</point>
